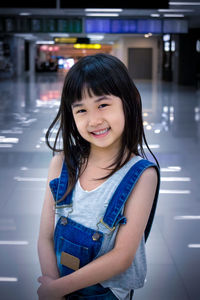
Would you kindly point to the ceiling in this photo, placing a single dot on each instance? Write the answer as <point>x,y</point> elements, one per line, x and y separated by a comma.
<point>190,10</point>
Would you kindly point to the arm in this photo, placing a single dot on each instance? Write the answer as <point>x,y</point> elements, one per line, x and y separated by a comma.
<point>46,252</point>
<point>137,210</point>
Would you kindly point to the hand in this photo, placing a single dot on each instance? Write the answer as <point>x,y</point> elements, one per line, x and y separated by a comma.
<point>45,291</point>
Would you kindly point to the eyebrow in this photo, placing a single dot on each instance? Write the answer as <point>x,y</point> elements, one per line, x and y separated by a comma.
<point>79,104</point>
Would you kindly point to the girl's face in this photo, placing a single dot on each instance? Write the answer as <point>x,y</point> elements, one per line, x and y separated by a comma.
<point>100,120</point>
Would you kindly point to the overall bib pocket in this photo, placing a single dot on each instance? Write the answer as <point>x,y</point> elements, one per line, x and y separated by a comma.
<point>72,256</point>
<point>75,245</point>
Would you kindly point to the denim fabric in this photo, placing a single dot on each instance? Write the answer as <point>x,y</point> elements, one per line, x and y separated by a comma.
<point>95,292</point>
<point>58,188</point>
<point>76,239</point>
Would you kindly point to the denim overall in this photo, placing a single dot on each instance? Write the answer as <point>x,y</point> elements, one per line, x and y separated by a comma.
<point>76,245</point>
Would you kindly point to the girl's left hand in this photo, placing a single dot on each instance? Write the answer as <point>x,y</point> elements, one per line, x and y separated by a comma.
<point>44,291</point>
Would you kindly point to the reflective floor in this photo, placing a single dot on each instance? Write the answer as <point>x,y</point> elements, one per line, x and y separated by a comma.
<point>172,126</point>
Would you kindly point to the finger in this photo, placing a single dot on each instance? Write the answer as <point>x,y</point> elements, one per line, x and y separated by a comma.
<point>39,279</point>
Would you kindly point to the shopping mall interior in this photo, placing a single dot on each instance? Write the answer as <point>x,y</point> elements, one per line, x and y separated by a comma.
<point>159,43</point>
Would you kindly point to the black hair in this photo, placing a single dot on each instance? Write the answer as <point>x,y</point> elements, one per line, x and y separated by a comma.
<point>99,74</point>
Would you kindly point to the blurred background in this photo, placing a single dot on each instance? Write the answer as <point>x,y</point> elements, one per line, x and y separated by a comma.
<point>160,45</point>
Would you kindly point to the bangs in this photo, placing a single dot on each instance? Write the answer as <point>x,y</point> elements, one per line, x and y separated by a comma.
<point>93,78</point>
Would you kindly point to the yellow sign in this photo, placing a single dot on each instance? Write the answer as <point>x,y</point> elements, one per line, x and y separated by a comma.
<point>87,46</point>
<point>65,40</point>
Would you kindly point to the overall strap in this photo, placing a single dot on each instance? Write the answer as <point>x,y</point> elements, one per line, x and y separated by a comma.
<point>113,214</point>
<point>62,187</point>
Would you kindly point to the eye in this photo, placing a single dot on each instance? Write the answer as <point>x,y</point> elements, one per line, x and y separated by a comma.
<point>103,105</point>
<point>80,111</point>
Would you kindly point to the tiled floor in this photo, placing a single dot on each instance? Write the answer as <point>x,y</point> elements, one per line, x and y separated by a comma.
<point>172,126</point>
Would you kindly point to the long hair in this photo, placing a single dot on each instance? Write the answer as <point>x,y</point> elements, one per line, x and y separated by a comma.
<point>99,74</point>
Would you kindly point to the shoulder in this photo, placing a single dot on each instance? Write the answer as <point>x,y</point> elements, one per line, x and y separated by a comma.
<point>145,187</point>
<point>148,180</point>
<point>55,165</point>
<point>150,175</point>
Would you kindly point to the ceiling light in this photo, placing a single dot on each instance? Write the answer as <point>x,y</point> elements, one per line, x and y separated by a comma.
<point>102,15</point>
<point>104,9</point>
<point>173,15</point>
<point>59,34</point>
<point>184,3</point>
<point>175,10</point>
<point>24,14</point>
<point>147,35</point>
<point>166,37</point>
<point>95,37</point>
<point>155,15</point>
<point>27,36</point>
<point>45,42</point>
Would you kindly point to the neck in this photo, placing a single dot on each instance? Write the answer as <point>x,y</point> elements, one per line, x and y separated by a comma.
<point>103,156</point>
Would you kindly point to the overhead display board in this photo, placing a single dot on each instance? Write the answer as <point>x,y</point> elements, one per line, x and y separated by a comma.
<point>122,26</point>
<point>69,25</point>
<point>91,25</point>
<point>9,24</point>
<point>36,25</point>
<point>40,25</point>
<point>136,26</point>
<point>175,26</point>
<point>23,25</point>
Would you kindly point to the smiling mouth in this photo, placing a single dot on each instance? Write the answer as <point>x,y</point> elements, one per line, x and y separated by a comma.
<point>100,132</point>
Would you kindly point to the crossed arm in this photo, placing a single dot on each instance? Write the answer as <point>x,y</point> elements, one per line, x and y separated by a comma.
<point>137,210</point>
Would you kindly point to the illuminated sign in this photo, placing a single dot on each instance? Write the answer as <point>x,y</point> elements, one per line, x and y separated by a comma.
<point>65,40</point>
<point>71,40</point>
<point>87,46</point>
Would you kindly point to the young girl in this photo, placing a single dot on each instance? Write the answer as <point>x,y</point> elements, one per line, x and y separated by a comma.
<point>101,191</point>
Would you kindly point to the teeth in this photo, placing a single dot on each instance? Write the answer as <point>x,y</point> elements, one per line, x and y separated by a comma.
<point>101,132</point>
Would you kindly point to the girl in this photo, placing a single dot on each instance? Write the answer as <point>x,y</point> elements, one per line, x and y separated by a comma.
<point>103,191</point>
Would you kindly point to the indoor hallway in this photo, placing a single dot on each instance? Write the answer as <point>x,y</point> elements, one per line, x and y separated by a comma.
<point>172,126</point>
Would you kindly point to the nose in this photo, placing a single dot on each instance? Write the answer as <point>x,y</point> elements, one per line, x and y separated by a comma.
<point>94,119</point>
